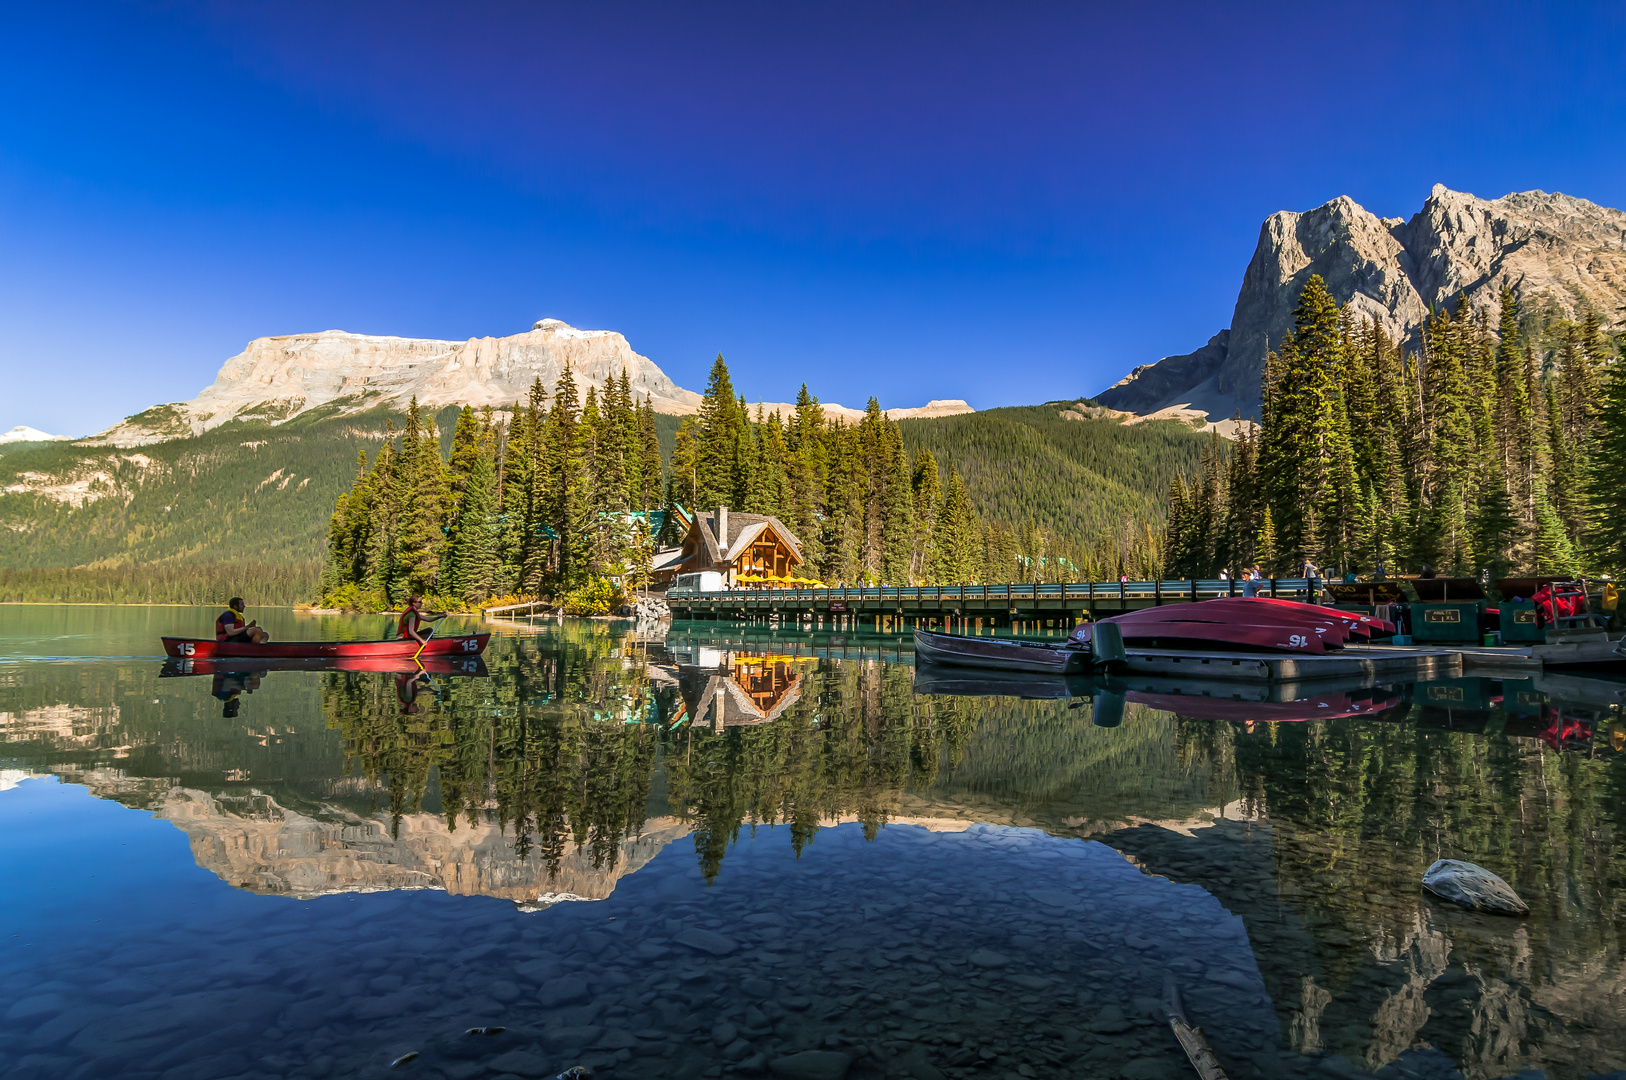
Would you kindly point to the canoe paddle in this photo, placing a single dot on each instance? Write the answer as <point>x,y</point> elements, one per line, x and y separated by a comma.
<point>432,628</point>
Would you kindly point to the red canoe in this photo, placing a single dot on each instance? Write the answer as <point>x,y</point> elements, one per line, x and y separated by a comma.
<point>205,649</point>
<point>1331,632</point>
<point>1265,611</point>
<point>1320,707</point>
<point>1372,623</point>
<point>1177,634</point>
<point>460,664</point>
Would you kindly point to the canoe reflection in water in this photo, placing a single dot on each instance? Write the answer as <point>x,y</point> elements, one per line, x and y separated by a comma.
<point>232,677</point>
<point>1242,703</point>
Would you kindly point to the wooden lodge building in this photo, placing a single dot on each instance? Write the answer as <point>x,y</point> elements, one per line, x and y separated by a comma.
<point>734,545</point>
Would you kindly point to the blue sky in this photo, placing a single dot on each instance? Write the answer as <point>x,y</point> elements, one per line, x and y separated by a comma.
<point>1008,203</point>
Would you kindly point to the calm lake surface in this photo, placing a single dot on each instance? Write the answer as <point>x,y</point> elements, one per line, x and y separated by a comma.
<point>708,851</point>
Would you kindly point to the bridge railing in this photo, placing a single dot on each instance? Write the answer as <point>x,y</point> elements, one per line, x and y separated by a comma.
<point>1165,591</point>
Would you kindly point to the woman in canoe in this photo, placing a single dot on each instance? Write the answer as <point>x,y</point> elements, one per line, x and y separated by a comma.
<point>231,626</point>
<point>413,620</point>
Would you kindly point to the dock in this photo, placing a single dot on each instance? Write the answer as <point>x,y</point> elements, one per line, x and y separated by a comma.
<point>1355,662</point>
<point>890,608</point>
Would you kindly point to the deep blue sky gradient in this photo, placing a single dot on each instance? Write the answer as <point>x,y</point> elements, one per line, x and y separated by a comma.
<point>1008,203</point>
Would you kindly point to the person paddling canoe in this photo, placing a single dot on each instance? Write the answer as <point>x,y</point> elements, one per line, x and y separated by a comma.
<point>413,620</point>
<point>231,626</point>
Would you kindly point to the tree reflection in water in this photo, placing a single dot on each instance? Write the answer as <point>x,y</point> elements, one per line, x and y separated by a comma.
<point>561,746</point>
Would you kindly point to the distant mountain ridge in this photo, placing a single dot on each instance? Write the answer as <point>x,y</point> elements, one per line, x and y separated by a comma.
<point>277,378</point>
<point>1557,253</point>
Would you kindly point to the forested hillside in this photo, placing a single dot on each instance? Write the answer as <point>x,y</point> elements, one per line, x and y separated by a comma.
<point>1497,447</point>
<point>1032,494</point>
<point>1073,478</point>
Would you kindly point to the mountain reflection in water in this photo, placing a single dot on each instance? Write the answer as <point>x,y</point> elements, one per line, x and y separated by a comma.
<point>580,753</point>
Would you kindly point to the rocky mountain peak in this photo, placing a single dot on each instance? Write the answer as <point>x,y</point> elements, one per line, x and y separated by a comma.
<point>1556,252</point>
<point>276,378</point>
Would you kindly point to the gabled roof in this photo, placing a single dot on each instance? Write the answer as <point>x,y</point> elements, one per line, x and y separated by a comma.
<point>743,531</point>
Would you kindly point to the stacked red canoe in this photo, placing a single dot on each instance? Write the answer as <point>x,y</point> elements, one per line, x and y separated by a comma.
<point>1248,622</point>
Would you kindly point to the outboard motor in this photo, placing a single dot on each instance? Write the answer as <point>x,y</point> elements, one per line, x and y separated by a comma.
<point>1107,646</point>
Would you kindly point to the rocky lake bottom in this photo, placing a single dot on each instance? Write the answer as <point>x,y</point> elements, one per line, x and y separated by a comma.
<point>695,855</point>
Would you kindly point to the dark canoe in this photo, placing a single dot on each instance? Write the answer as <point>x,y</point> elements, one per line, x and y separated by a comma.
<point>249,665</point>
<point>1000,654</point>
<point>984,682</point>
<point>209,649</point>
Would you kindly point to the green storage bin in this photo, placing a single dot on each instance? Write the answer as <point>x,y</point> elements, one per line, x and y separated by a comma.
<point>1519,623</point>
<point>1455,622</point>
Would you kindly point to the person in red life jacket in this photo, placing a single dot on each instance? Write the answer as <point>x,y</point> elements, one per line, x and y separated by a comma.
<point>231,626</point>
<point>413,619</point>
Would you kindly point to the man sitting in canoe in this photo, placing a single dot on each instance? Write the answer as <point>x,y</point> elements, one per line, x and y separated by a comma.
<point>413,619</point>
<point>231,627</point>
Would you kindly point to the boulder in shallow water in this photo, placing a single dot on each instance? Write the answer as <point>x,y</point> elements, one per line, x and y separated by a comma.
<point>1473,887</point>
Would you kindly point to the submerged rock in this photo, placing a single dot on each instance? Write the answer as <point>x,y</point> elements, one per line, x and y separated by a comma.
<point>1473,887</point>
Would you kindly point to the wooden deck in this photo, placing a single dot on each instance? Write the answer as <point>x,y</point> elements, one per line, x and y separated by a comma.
<point>934,606</point>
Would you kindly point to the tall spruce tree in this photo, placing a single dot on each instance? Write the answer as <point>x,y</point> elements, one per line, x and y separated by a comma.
<point>1606,476</point>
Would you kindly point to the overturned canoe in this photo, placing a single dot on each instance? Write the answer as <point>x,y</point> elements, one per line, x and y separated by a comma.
<point>1173,632</point>
<point>206,649</point>
<point>1224,626</point>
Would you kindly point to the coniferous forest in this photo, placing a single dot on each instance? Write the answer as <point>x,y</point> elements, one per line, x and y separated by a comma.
<point>1493,448</point>
<point>569,498</point>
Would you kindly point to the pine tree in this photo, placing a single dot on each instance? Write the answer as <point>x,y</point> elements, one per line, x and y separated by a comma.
<point>1177,529</point>
<point>897,512</point>
<point>957,535</point>
<point>1606,476</point>
<point>650,447</point>
<point>683,488</point>
<point>1295,456</point>
<point>717,449</point>
<point>385,577</point>
<point>567,480</point>
<point>805,475</point>
<point>423,530</point>
<point>926,492</point>
<point>473,567</point>
<point>1495,527</point>
<point>1265,545</point>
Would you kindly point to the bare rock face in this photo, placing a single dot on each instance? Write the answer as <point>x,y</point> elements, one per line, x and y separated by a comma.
<point>277,378</point>
<point>1555,252</point>
<point>1472,886</point>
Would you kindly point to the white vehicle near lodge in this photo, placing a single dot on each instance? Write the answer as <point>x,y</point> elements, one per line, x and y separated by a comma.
<point>693,584</point>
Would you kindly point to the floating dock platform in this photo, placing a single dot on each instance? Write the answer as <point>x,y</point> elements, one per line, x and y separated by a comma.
<point>1399,662</point>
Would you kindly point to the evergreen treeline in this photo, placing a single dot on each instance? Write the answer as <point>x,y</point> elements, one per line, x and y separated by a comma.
<point>555,498</point>
<point>874,501</point>
<point>272,584</point>
<point>1492,450</point>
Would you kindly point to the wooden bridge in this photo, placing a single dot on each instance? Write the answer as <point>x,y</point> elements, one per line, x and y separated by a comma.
<point>1031,606</point>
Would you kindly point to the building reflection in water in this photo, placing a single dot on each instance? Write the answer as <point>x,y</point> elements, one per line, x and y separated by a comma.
<point>571,765</point>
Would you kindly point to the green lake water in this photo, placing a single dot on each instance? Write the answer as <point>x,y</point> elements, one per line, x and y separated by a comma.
<point>700,851</point>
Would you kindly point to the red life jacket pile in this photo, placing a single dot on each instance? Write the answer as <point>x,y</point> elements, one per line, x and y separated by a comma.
<point>1564,602</point>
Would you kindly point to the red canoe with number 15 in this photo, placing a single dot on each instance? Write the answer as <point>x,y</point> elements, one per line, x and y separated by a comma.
<point>204,649</point>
